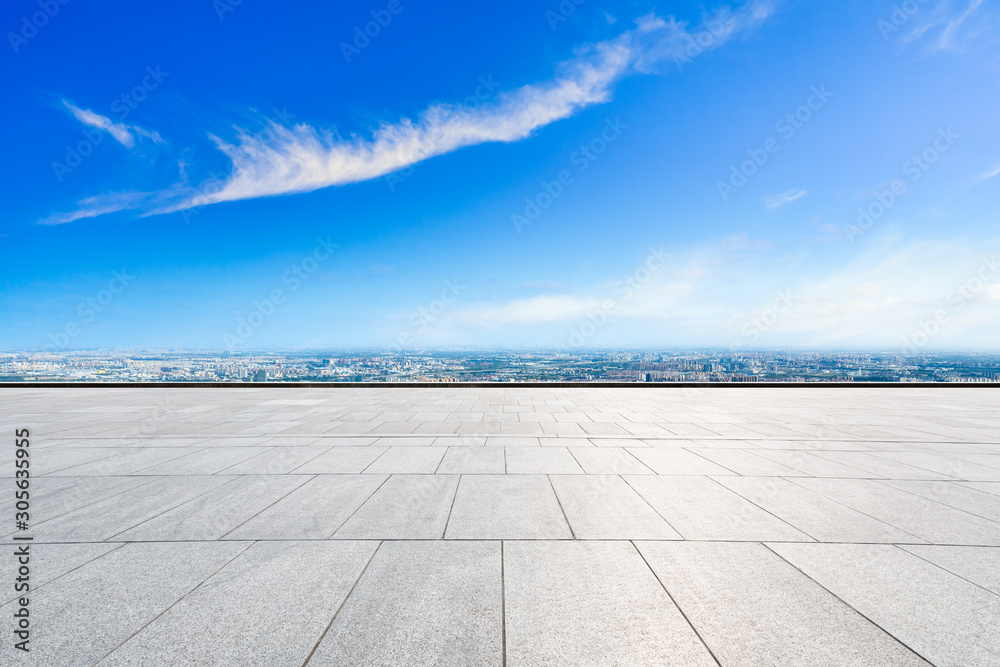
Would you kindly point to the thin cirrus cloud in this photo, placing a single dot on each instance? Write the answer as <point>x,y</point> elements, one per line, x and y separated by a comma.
<point>301,158</point>
<point>956,31</point>
<point>285,160</point>
<point>91,207</point>
<point>772,202</point>
<point>882,295</point>
<point>126,135</point>
<point>946,40</point>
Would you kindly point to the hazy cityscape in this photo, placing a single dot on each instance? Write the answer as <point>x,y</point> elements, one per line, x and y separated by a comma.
<point>133,365</point>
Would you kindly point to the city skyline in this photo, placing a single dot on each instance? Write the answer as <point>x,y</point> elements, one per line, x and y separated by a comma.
<point>597,175</point>
<point>495,366</point>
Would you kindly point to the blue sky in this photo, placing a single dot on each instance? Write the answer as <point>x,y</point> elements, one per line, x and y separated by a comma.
<point>571,175</point>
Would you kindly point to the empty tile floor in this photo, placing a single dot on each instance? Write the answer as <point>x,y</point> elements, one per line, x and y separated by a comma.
<point>517,526</point>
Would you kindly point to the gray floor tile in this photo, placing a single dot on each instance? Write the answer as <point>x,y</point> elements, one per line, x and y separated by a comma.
<point>49,562</point>
<point>954,495</point>
<point>126,462</point>
<point>50,496</point>
<point>406,507</point>
<point>928,520</point>
<point>314,511</point>
<point>950,466</point>
<point>204,462</point>
<point>604,507</point>
<point>608,461</point>
<point>106,518</point>
<point>407,441</point>
<point>84,615</point>
<point>987,487</point>
<point>48,461</point>
<point>980,565</point>
<point>339,460</point>
<point>284,595</point>
<point>422,603</point>
<point>472,461</point>
<point>944,618</point>
<point>403,460</point>
<point>880,467</point>
<point>701,509</point>
<point>499,441</point>
<point>518,507</point>
<point>743,462</point>
<point>814,514</point>
<point>541,461</point>
<point>809,464</point>
<point>753,608</point>
<point>213,514</point>
<point>276,461</point>
<point>591,603</point>
<point>673,461</point>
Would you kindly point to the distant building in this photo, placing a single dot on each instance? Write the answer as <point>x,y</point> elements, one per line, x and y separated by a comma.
<point>260,376</point>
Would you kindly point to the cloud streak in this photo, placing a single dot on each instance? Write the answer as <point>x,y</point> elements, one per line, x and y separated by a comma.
<point>91,207</point>
<point>301,158</point>
<point>877,298</point>
<point>126,135</point>
<point>948,34</point>
<point>772,202</point>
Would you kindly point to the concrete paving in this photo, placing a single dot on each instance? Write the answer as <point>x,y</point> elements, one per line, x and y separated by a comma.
<point>506,526</point>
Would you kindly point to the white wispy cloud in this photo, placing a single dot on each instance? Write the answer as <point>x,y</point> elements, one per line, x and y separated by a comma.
<point>947,28</point>
<point>772,202</point>
<point>91,207</point>
<point>301,158</point>
<point>714,296</point>
<point>126,135</point>
<point>946,39</point>
<point>988,175</point>
<point>546,308</point>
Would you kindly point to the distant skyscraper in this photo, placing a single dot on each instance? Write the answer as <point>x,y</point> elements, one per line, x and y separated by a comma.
<point>260,376</point>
